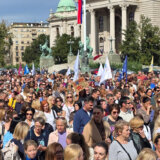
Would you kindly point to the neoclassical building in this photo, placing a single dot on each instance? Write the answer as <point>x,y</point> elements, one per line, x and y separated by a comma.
<point>106,20</point>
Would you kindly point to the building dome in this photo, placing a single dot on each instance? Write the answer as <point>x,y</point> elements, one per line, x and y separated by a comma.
<point>66,6</point>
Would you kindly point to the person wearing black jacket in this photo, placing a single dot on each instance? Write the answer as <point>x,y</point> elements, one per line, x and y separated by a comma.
<point>137,134</point>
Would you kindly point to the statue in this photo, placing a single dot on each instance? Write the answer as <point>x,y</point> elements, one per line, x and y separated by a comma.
<point>46,59</point>
<point>46,51</point>
<point>89,48</point>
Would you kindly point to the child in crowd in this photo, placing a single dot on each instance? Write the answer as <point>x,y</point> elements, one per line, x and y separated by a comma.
<point>30,148</point>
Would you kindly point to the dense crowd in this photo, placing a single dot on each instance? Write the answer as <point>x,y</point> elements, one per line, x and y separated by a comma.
<point>44,117</point>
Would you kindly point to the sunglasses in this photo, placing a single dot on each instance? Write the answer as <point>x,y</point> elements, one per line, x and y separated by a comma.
<point>115,112</point>
<point>29,114</point>
<point>69,97</point>
<point>96,113</point>
<point>128,103</point>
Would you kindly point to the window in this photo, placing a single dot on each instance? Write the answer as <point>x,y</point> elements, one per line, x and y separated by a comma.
<point>57,31</point>
<point>16,42</point>
<point>101,23</point>
<point>22,48</point>
<point>17,59</point>
<point>22,53</point>
<point>131,16</point>
<point>101,40</point>
<point>16,47</point>
<point>72,31</point>
<point>16,53</point>
<point>22,42</point>
<point>27,42</point>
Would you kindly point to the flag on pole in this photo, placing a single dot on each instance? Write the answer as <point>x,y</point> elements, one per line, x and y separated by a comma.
<point>26,70</point>
<point>33,70</point>
<point>68,72</point>
<point>107,74</point>
<point>100,70</point>
<point>124,70</point>
<point>79,16</point>
<point>151,65</point>
<point>20,69</point>
<point>76,68</point>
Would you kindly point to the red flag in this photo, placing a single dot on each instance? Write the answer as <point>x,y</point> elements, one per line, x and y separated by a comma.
<point>79,17</point>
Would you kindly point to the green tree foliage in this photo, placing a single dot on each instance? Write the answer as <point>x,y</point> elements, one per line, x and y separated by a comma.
<point>4,43</point>
<point>61,49</point>
<point>32,53</point>
<point>141,42</point>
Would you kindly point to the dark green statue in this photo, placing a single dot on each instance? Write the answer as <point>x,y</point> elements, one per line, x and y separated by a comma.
<point>89,48</point>
<point>46,51</point>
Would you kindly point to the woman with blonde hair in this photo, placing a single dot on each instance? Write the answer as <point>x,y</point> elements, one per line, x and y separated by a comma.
<point>19,135</point>
<point>137,134</point>
<point>69,105</point>
<point>51,101</point>
<point>36,105</point>
<point>122,147</point>
<point>73,152</point>
<point>156,129</point>
<point>147,154</point>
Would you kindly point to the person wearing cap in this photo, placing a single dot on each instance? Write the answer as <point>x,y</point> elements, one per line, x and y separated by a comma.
<point>137,134</point>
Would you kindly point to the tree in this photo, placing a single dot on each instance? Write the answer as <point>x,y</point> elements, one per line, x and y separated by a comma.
<point>130,46</point>
<point>4,41</point>
<point>32,53</point>
<point>141,42</point>
<point>61,49</point>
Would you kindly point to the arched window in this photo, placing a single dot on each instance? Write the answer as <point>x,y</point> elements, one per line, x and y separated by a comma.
<point>72,31</point>
<point>101,40</point>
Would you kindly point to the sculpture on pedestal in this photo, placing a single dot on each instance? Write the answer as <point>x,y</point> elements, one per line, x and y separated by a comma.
<point>46,51</point>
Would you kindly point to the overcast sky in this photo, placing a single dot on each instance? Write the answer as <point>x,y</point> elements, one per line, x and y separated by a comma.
<point>26,10</point>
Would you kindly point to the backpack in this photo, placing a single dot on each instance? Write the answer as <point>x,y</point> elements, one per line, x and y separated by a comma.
<point>10,152</point>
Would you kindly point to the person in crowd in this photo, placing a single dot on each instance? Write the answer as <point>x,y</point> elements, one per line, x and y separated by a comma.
<point>19,135</point>
<point>137,134</point>
<point>51,101</point>
<point>96,130</point>
<point>147,154</point>
<point>49,113</point>
<point>54,152</point>
<point>110,100</point>
<point>83,116</point>
<point>145,109</point>
<point>29,117</point>
<point>158,101</point>
<point>100,151</point>
<point>122,148</point>
<point>58,107</point>
<point>157,145</point>
<point>28,100</point>
<point>117,95</point>
<point>76,138</point>
<point>125,112</point>
<point>19,103</point>
<point>68,106</point>
<point>60,134</point>
<point>149,92</point>
<point>12,100</point>
<point>95,95</point>
<point>73,152</point>
<point>30,149</point>
<point>113,117</point>
<point>39,135</point>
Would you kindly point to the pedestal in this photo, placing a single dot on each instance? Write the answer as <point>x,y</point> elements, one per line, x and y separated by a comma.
<point>46,62</point>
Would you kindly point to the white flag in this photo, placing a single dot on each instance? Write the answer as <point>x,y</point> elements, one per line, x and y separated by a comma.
<point>68,72</point>
<point>100,70</point>
<point>33,70</point>
<point>76,68</point>
<point>107,74</point>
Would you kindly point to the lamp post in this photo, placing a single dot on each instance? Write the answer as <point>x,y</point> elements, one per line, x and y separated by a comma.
<point>111,49</point>
<point>70,50</point>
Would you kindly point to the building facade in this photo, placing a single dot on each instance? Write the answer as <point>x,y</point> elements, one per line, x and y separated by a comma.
<point>106,21</point>
<point>22,36</point>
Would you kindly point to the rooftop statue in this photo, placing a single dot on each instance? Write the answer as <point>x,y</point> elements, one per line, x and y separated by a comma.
<point>46,51</point>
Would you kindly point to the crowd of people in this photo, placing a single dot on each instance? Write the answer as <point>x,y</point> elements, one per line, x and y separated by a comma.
<point>44,117</point>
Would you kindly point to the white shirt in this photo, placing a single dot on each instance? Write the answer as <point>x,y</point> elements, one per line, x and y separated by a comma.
<point>127,116</point>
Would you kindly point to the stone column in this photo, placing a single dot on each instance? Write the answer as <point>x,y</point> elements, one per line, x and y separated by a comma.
<point>124,19</point>
<point>93,32</point>
<point>112,26</point>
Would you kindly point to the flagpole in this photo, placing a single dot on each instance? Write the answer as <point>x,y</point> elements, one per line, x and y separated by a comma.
<point>84,24</point>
